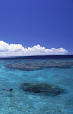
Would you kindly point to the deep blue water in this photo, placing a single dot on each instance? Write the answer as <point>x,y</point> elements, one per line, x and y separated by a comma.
<point>18,102</point>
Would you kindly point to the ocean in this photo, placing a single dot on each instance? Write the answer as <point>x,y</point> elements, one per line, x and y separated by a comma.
<point>57,72</point>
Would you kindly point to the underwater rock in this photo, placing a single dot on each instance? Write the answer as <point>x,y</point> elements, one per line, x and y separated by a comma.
<point>44,89</point>
<point>11,90</point>
<point>31,66</point>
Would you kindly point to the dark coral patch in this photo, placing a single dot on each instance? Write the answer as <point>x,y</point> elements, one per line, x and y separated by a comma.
<point>44,89</point>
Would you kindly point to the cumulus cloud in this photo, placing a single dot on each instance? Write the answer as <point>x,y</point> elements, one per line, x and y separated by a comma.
<point>18,50</point>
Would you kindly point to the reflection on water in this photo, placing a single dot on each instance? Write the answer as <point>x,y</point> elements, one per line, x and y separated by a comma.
<point>57,73</point>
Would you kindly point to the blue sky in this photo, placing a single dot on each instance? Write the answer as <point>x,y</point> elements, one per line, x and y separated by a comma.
<point>30,22</point>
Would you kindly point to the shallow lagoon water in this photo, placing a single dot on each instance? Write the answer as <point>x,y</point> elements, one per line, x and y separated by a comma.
<point>19,102</point>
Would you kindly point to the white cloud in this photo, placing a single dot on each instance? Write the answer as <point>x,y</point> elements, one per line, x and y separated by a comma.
<point>18,50</point>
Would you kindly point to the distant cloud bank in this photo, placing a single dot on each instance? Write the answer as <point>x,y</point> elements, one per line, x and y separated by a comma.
<point>18,50</point>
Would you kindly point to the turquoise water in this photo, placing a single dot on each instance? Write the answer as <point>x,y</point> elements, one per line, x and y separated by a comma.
<point>19,102</point>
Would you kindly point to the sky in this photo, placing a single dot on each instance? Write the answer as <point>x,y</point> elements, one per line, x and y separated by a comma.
<point>47,23</point>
